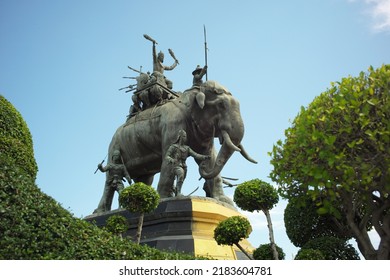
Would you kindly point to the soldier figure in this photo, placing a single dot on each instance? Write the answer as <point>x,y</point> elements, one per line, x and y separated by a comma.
<point>159,67</point>
<point>198,74</point>
<point>114,181</point>
<point>177,155</point>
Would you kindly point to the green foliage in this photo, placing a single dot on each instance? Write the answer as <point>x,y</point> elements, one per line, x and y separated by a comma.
<point>332,248</point>
<point>264,252</point>
<point>337,152</point>
<point>303,223</point>
<point>117,224</point>
<point>34,226</point>
<point>232,230</point>
<point>255,195</point>
<point>309,254</point>
<point>15,138</point>
<point>139,198</point>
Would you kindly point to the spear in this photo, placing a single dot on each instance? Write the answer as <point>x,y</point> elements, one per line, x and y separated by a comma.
<point>100,164</point>
<point>205,47</point>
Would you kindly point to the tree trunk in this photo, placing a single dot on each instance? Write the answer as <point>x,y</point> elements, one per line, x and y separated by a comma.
<point>271,235</point>
<point>359,232</point>
<point>139,228</point>
<point>245,252</point>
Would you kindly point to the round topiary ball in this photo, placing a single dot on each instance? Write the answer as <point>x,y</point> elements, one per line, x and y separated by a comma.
<point>264,252</point>
<point>232,230</point>
<point>16,145</point>
<point>309,254</point>
<point>139,198</point>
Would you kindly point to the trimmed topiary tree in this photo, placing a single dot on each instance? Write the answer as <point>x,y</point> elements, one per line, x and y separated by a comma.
<point>232,231</point>
<point>117,225</point>
<point>309,254</point>
<point>139,198</point>
<point>257,195</point>
<point>15,139</point>
<point>333,248</point>
<point>265,252</point>
<point>303,223</point>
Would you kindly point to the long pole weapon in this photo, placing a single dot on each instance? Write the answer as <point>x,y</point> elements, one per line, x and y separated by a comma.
<point>100,163</point>
<point>205,47</point>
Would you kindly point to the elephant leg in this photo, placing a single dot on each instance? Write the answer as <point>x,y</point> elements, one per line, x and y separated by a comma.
<point>165,184</point>
<point>214,189</point>
<point>147,179</point>
<point>106,200</point>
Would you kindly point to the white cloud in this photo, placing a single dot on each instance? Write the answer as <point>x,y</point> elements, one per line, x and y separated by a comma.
<point>379,12</point>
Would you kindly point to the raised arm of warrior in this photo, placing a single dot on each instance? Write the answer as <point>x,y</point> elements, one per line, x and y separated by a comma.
<point>170,67</point>
<point>103,169</point>
<point>154,53</point>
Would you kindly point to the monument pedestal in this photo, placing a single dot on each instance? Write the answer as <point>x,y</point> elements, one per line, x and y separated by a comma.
<point>183,225</point>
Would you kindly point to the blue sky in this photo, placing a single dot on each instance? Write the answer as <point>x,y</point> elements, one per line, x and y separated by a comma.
<point>62,63</point>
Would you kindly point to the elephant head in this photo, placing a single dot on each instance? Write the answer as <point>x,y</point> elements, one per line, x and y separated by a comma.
<point>221,118</point>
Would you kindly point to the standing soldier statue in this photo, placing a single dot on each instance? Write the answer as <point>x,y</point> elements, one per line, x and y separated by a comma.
<point>114,181</point>
<point>177,155</point>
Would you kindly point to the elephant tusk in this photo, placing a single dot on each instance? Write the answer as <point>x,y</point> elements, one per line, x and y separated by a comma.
<point>228,141</point>
<point>245,154</point>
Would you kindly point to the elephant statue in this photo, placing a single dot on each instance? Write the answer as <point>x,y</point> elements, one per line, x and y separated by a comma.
<point>206,112</point>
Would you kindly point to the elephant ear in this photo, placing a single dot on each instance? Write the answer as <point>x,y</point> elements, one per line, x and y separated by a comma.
<point>200,99</point>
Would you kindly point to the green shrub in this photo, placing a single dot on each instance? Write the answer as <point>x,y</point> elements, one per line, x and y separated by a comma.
<point>117,224</point>
<point>232,230</point>
<point>139,198</point>
<point>309,254</point>
<point>264,252</point>
<point>15,138</point>
<point>255,195</point>
<point>333,248</point>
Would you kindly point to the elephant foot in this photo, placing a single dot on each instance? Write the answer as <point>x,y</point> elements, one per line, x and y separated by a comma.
<point>98,211</point>
<point>225,199</point>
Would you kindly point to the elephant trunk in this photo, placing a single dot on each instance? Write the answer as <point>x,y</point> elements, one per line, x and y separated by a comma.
<point>209,172</point>
<point>226,151</point>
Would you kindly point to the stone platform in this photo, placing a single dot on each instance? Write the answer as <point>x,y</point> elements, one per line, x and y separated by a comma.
<point>183,225</point>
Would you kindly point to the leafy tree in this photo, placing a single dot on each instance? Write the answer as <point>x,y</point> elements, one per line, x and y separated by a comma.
<point>256,195</point>
<point>309,254</point>
<point>337,152</point>
<point>117,224</point>
<point>232,231</point>
<point>265,252</point>
<point>303,223</point>
<point>139,198</point>
<point>332,248</point>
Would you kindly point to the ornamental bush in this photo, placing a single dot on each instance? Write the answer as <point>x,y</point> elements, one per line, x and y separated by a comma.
<point>333,248</point>
<point>139,198</point>
<point>309,254</point>
<point>15,138</point>
<point>264,252</point>
<point>255,195</point>
<point>232,230</point>
<point>117,224</point>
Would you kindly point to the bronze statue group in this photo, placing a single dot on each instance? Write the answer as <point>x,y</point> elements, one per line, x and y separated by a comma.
<point>153,90</point>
